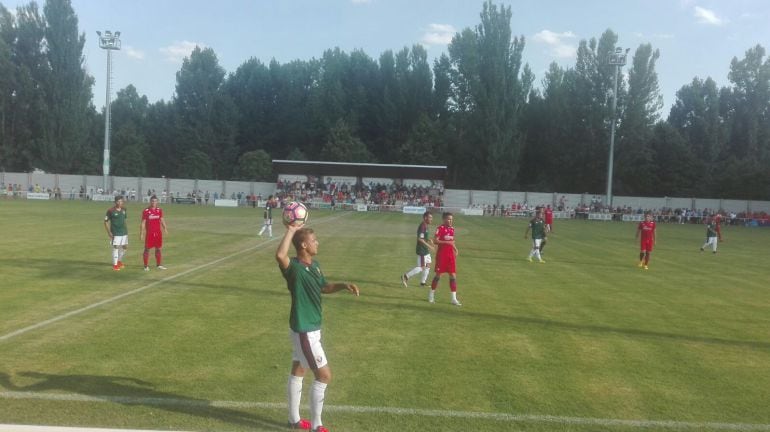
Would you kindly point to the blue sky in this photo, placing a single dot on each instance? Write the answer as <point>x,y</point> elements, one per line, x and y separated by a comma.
<point>695,37</point>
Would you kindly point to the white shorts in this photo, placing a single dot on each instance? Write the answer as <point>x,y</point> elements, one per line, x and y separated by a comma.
<point>120,240</point>
<point>536,242</point>
<point>307,349</point>
<point>423,260</point>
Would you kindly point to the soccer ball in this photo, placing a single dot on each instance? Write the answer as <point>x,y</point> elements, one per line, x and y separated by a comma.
<point>295,213</point>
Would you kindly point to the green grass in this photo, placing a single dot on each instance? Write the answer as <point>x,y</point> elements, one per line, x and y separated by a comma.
<point>587,335</point>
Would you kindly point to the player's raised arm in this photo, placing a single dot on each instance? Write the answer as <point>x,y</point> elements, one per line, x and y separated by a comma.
<point>282,254</point>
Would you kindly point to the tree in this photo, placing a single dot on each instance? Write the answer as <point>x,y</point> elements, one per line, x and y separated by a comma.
<point>490,90</point>
<point>634,154</point>
<point>254,166</point>
<point>343,146</point>
<point>68,91</point>
<point>207,117</point>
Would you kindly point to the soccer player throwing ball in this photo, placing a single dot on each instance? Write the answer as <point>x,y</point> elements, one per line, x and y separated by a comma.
<point>117,231</point>
<point>445,258</point>
<point>151,230</point>
<point>306,283</point>
<point>647,229</point>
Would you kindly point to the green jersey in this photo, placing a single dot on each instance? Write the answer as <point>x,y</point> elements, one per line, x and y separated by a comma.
<point>304,283</point>
<point>538,228</point>
<point>117,218</point>
<point>711,229</point>
<point>422,234</point>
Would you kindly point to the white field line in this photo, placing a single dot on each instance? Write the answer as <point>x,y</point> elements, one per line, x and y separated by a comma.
<point>138,290</point>
<point>502,417</point>
<point>25,428</point>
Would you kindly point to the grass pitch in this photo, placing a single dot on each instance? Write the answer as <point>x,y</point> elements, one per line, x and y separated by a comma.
<point>585,342</point>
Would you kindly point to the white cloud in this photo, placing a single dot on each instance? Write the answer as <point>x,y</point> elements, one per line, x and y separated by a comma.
<point>133,53</point>
<point>557,42</point>
<point>177,51</point>
<point>438,34</point>
<point>707,16</point>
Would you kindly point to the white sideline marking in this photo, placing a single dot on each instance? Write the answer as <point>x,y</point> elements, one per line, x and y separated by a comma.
<point>21,428</point>
<point>138,290</point>
<point>502,417</point>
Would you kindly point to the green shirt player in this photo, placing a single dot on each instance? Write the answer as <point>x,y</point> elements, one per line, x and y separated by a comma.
<point>306,283</point>
<point>537,226</point>
<point>117,231</point>
<point>423,249</point>
<point>711,236</point>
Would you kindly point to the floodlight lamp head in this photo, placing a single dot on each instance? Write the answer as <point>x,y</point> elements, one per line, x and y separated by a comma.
<point>117,34</point>
<point>99,33</point>
<point>108,33</point>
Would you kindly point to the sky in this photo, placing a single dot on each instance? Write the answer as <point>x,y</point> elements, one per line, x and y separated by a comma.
<point>695,37</point>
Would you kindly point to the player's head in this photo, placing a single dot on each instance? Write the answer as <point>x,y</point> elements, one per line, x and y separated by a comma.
<point>154,201</point>
<point>448,218</point>
<point>119,201</point>
<point>270,198</point>
<point>647,216</point>
<point>304,240</point>
<point>427,217</point>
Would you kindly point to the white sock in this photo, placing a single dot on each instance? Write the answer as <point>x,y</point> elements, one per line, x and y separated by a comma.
<point>425,274</point>
<point>262,230</point>
<point>270,230</point>
<point>413,271</point>
<point>431,295</point>
<point>317,403</point>
<point>537,254</point>
<point>294,390</point>
<point>121,253</point>
<point>454,296</point>
<point>115,256</point>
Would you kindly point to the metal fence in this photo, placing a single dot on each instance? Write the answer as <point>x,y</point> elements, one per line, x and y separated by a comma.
<point>138,188</point>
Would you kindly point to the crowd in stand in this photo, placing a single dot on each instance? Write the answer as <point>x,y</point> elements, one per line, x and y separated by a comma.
<point>372,193</point>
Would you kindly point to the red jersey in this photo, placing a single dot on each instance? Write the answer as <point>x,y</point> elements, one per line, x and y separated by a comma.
<point>648,230</point>
<point>445,233</point>
<point>548,216</point>
<point>445,256</point>
<point>152,217</point>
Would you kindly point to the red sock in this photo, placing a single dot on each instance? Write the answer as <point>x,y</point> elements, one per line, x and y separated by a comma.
<point>453,285</point>
<point>146,256</point>
<point>157,256</point>
<point>434,284</point>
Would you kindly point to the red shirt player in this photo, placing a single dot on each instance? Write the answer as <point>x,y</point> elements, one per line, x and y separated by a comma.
<point>445,257</point>
<point>548,219</point>
<point>151,230</point>
<point>647,228</point>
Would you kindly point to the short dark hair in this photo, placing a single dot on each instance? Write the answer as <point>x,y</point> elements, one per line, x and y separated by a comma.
<point>446,215</point>
<point>153,197</point>
<point>426,214</point>
<point>301,236</point>
<point>118,198</point>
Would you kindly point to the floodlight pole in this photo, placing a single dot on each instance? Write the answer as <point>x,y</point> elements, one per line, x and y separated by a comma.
<point>109,41</point>
<point>618,59</point>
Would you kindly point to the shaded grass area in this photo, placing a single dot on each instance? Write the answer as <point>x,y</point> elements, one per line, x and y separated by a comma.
<point>586,335</point>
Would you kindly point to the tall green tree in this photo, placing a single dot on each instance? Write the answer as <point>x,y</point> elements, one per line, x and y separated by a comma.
<point>68,92</point>
<point>207,116</point>
<point>635,156</point>
<point>490,90</point>
<point>343,146</point>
